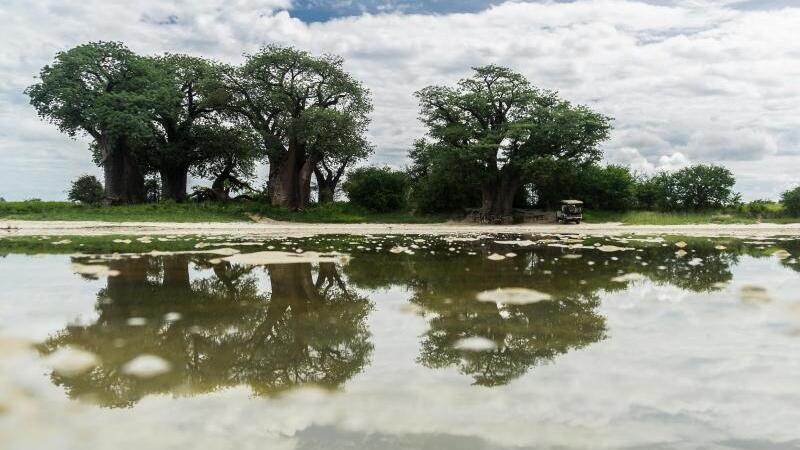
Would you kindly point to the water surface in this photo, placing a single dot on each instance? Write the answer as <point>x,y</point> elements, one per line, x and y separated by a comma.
<point>640,342</point>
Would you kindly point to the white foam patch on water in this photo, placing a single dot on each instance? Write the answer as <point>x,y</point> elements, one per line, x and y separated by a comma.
<point>146,366</point>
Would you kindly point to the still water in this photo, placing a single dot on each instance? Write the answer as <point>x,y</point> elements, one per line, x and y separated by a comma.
<point>405,342</point>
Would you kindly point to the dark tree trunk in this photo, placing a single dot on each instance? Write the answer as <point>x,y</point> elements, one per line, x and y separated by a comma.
<point>173,183</point>
<point>290,178</point>
<point>124,181</point>
<point>325,191</point>
<point>497,205</point>
<point>327,179</point>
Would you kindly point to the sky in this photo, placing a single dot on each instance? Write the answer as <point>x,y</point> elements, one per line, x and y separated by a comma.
<point>686,81</point>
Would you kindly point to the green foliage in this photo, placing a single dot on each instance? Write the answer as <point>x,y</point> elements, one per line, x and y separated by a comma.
<point>99,88</point>
<point>761,209</point>
<point>609,187</point>
<point>791,201</point>
<point>230,154</point>
<point>377,189</point>
<point>87,190</point>
<point>695,188</point>
<point>439,185</point>
<point>152,189</point>
<point>701,187</point>
<point>179,126</point>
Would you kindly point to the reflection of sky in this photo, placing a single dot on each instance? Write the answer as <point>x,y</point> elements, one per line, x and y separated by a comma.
<point>678,368</point>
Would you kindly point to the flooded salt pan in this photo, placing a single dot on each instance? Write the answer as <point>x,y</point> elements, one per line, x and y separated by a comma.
<point>435,347</point>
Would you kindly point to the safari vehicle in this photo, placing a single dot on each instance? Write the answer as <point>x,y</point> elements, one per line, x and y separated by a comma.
<point>570,211</point>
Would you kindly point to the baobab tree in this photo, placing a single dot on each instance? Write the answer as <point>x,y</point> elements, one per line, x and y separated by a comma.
<point>280,92</point>
<point>105,91</point>
<point>495,125</point>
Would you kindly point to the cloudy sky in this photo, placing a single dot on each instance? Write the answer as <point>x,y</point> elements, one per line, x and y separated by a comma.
<point>686,80</point>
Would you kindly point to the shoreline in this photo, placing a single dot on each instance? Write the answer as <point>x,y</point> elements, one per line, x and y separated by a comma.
<point>10,228</point>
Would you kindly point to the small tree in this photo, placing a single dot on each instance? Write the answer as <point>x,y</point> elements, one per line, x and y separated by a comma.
<point>86,189</point>
<point>377,188</point>
<point>791,201</point>
<point>703,187</point>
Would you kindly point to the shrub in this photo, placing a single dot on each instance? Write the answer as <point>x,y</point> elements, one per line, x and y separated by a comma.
<point>791,202</point>
<point>376,188</point>
<point>609,187</point>
<point>152,189</point>
<point>759,209</point>
<point>86,189</point>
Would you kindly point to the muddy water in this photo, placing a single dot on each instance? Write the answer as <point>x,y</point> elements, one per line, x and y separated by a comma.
<point>462,342</point>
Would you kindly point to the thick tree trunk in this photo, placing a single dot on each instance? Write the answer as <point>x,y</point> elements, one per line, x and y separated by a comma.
<point>173,183</point>
<point>497,204</point>
<point>290,178</point>
<point>304,179</point>
<point>124,181</point>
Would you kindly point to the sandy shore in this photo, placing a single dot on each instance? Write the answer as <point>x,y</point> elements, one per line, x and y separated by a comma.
<point>75,228</point>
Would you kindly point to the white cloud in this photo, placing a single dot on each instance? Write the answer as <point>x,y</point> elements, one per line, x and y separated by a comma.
<point>713,83</point>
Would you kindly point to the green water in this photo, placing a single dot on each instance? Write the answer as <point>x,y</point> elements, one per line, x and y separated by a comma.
<point>640,342</point>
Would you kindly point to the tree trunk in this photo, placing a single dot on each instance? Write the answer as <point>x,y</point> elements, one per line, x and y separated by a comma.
<point>124,181</point>
<point>304,178</point>
<point>497,204</point>
<point>173,183</point>
<point>325,190</point>
<point>290,178</point>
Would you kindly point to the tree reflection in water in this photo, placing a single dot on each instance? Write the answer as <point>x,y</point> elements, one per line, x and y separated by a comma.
<point>307,328</point>
<point>445,288</point>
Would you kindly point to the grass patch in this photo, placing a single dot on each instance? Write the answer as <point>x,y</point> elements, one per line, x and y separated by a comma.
<point>677,218</point>
<point>240,211</point>
<point>234,211</point>
<point>662,218</point>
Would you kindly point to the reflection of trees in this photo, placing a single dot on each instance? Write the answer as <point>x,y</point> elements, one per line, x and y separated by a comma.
<point>308,328</point>
<point>527,335</point>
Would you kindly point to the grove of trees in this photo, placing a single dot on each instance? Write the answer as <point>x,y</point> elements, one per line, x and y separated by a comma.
<point>494,141</point>
<point>173,115</point>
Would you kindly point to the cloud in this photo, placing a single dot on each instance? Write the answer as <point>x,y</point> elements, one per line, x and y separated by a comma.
<point>706,79</point>
<point>731,145</point>
<point>631,157</point>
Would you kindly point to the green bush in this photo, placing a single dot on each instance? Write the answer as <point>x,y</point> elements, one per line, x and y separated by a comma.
<point>440,180</point>
<point>379,189</point>
<point>791,202</point>
<point>152,189</point>
<point>86,189</point>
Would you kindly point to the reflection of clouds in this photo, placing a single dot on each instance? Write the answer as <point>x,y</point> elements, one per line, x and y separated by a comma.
<point>43,313</point>
<point>686,369</point>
